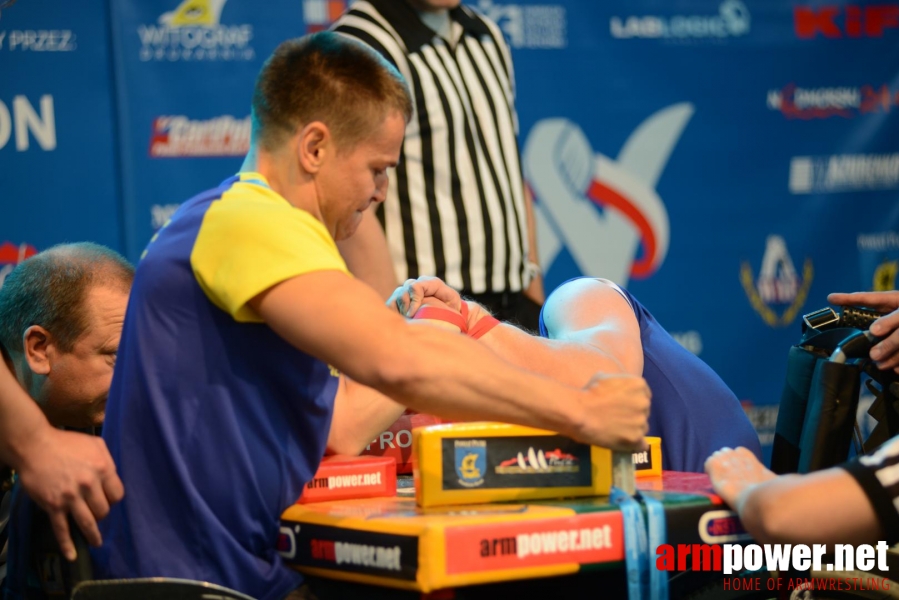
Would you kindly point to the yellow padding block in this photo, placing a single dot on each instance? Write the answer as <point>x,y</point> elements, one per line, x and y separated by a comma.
<point>473,463</point>
<point>648,463</point>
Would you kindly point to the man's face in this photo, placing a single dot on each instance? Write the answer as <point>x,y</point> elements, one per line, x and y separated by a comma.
<point>77,385</point>
<point>356,178</point>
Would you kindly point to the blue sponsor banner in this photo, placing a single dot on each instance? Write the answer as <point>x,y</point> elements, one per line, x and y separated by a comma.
<point>57,158</point>
<point>729,162</point>
<point>184,78</point>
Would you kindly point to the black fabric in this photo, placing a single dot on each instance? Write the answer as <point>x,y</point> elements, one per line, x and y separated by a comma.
<point>830,416</point>
<point>791,415</point>
<point>881,499</point>
<point>510,307</point>
<point>413,31</point>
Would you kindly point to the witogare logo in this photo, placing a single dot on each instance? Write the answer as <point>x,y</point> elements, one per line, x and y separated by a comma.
<point>192,32</point>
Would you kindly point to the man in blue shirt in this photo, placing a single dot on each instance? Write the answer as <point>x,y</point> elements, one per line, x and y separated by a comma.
<point>248,348</point>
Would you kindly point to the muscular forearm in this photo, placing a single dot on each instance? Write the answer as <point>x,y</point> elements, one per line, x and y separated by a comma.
<point>569,363</point>
<point>431,377</point>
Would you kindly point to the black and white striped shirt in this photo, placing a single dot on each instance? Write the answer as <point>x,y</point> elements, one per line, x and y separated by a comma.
<point>878,475</point>
<point>455,205</point>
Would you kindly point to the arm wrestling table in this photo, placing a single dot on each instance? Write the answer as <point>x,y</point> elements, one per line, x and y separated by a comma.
<point>390,548</point>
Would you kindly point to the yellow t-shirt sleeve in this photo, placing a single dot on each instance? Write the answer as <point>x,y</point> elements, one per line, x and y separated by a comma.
<point>245,247</point>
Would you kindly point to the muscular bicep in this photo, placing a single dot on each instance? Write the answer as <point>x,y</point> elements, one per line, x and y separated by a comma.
<point>590,311</point>
<point>335,318</point>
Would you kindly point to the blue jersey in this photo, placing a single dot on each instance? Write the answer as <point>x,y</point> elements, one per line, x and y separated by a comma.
<point>693,410</point>
<point>215,423</point>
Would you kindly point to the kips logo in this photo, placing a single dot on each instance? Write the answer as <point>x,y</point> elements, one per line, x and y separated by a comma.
<point>193,32</point>
<point>778,284</point>
<point>180,136</point>
<point>318,15</point>
<point>11,255</point>
<point>538,461</point>
<point>845,21</point>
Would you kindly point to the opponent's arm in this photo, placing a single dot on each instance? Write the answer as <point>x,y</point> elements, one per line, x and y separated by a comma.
<point>341,321</point>
<point>593,329</point>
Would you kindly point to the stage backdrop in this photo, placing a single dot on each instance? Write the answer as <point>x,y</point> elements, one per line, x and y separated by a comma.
<point>730,162</point>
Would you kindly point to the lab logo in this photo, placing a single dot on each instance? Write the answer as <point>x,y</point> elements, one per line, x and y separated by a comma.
<point>885,276</point>
<point>604,212</point>
<point>777,285</point>
<point>537,461</point>
<point>542,26</point>
<point>11,255</point>
<point>732,20</point>
<point>471,462</point>
<point>318,15</point>
<point>193,32</point>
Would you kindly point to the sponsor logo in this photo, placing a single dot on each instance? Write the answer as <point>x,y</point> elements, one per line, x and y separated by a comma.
<point>797,102</point>
<point>838,21</point>
<point>11,255</point>
<point>844,173</point>
<point>336,482</point>
<point>777,284</point>
<point>642,460</point>
<point>885,276</point>
<point>605,212</point>
<point>25,120</point>
<point>763,419</point>
<point>38,40</point>
<point>540,26</point>
<point>193,32</point>
<point>471,461</point>
<point>732,20</point>
<point>538,461</point>
<point>359,555</point>
<point>720,526</point>
<point>393,439</point>
<point>287,541</point>
<point>880,252</point>
<point>178,136</point>
<point>584,538</point>
<point>318,15</point>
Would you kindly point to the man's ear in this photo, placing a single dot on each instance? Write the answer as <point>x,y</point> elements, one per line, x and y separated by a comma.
<point>314,146</point>
<point>37,343</point>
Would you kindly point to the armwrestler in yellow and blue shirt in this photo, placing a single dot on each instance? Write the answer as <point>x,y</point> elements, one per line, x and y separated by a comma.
<point>214,421</point>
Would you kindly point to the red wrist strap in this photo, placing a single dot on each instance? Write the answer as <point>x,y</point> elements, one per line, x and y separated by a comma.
<point>434,313</point>
<point>482,327</point>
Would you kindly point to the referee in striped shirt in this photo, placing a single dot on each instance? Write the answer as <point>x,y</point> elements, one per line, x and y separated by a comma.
<point>457,207</point>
